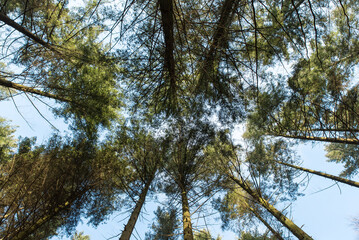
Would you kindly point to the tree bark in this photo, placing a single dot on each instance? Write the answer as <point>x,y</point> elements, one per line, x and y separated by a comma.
<point>332,130</point>
<point>219,40</point>
<point>127,232</point>
<point>321,139</point>
<point>297,231</point>
<point>326,175</point>
<point>274,232</point>
<point>220,34</point>
<point>187,225</point>
<point>9,84</point>
<point>166,8</point>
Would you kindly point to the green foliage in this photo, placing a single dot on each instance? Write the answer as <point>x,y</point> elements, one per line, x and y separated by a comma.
<point>7,141</point>
<point>165,227</point>
<point>346,154</point>
<point>50,186</point>
<point>274,179</point>
<point>184,160</point>
<point>203,235</point>
<point>255,236</point>
<point>221,65</point>
<point>80,236</point>
<point>233,206</point>
<point>80,71</point>
<point>141,153</point>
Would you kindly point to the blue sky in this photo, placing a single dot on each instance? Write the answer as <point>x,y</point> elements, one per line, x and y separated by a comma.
<point>323,214</point>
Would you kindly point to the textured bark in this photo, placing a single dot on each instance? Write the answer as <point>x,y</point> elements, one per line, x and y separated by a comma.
<point>166,8</point>
<point>332,130</point>
<point>321,139</point>
<point>187,225</point>
<point>297,231</point>
<point>220,34</point>
<point>6,83</point>
<point>274,232</point>
<point>219,39</point>
<point>127,232</point>
<point>329,176</point>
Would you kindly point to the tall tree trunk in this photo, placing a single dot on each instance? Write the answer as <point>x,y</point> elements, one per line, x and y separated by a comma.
<point>321,139</point>
<point>219,40</point>
<point>326,175</point>
<point>6,83</point>
<point>127,232</point>
<point>297,231</point>
<point>220,34</point>
<point>274,232</point>
<point>166,8</point>
<point>187,225</point>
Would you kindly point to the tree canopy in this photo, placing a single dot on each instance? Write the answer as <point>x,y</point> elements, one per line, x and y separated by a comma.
<point>152,92</point>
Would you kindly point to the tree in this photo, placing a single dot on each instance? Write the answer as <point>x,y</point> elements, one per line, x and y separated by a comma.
<point>228,160</point>
<point>254,236</point>
<point>186,165</point>
<point>7,140</point>
<point>166,226</point>
<point>50,186</point>
<point>285,70</point>
<point>297,231</point>
<point>326,175</point>
<point>79,75</point>
<point>239,207</point>
<point>344,153</point>
<point>204,235</point>
<point>317,100</point>
<point>160,84</point>
<point>80,236</point>
<point>143,154</point>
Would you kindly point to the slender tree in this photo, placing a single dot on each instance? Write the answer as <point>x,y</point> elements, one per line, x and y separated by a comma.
<point>228,159</point>
<point>186,165</point>
<point>143,154</point>
<point>238,206</point>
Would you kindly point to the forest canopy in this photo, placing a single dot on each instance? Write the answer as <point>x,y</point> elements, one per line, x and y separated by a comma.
<point>152,93</point>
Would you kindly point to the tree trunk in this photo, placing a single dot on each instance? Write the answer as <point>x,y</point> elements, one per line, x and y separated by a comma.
<point>6,83</point>
<point>335,178</point>
<point>127,232</point>
<point>167,14</point>
<point>321,139</point>
<point>297,231</point>
<point>219,40</point>
<point>187,225</point>
<point>274,232</point>
<point>332,130</point>
<point>220,34</point>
